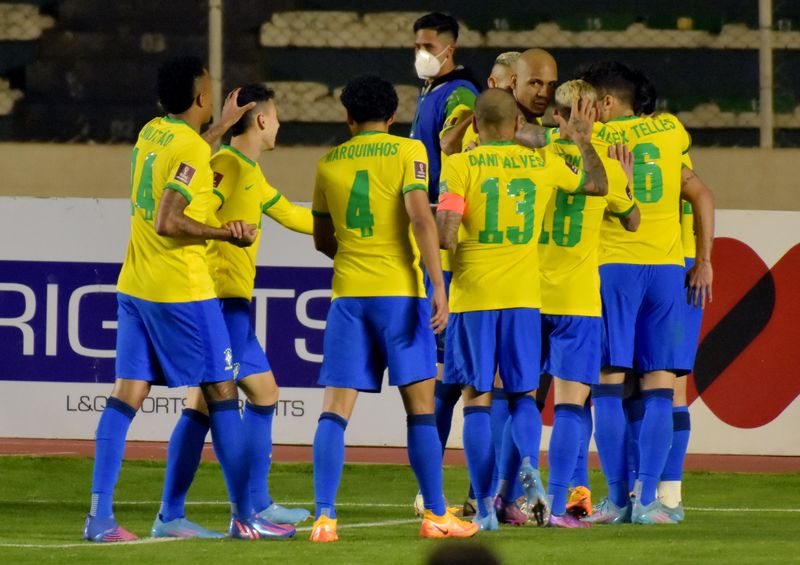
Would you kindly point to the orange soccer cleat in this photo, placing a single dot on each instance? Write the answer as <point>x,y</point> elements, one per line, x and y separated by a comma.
<point>324,530</point>
<point>447,526</point>
<point>579,503</point>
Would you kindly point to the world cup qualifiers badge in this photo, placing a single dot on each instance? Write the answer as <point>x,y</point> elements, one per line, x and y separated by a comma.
<point>420,170</point>
<point>228,359</point>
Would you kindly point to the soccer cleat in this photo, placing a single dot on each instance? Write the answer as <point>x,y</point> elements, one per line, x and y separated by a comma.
<point>676,513</point>
<point>257,528</point>
<point>653,513</point>
<point>324,530</point>
<point>535,497</point>
<point>419,505</point>
<point>609,513</point>
<point>447,526</point>
<point>579,503</point>
<point>181,528</point>
<point>487,523</point>
<point>470,508</point>
<point>278,514</point>
<point>509,512</point>
<point>105,530</point>
<point>567,520</point>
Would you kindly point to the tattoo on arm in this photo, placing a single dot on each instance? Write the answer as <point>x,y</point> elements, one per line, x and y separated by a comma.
<point>596,179</point>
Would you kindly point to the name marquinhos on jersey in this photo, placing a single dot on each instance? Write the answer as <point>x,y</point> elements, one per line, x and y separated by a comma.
<point>356,151</point>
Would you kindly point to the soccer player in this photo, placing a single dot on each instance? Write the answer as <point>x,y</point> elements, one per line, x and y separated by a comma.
<point>570,283</point>
<point>242,192</point>
<point>171,330</point>
<point>370,192</point>
<point>461,136</point>
<point>642,287</point>
<point>496,194</point>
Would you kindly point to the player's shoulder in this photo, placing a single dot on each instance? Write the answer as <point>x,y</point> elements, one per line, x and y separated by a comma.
<point>609,133</point>
<point>226,167</point>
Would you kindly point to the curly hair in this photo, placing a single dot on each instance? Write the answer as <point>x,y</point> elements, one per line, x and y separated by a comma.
<point>369,98</point>
<point>176,88</point>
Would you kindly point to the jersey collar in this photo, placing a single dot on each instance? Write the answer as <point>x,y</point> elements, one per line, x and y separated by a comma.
<point>498,143</point>
<point>370,132</point>
<point>239,154</point>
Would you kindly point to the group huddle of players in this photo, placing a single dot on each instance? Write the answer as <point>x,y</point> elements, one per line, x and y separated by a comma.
<point>552,251</point>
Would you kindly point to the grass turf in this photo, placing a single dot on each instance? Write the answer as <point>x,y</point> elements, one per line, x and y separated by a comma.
<point>43,502</point>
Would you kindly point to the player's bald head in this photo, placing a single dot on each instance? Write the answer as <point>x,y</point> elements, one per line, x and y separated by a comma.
<point>496,111</point>
<point>535,58</point>
<point>534,82</point>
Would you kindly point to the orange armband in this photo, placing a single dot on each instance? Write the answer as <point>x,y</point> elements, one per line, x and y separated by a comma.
<point>449,202</point>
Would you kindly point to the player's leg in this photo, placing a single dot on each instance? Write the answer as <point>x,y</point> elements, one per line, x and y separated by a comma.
<point>184,451</point>
<point>446,395</point>
<point>669,488</point>
<point>622,290</point>
<point>477,434</point>
<point>136,367</point>
<point>579,503</point>
<point>633,405</point>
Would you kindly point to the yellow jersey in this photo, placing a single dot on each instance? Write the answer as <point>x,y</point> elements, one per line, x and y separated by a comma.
<point>659,145</point>
<point>505,188</point>
<point>168,155</point>
<point>570,239</point>
<point>687,220</point>
<point>471,136</point>
<point>244,194</point>
<point>360,185</point>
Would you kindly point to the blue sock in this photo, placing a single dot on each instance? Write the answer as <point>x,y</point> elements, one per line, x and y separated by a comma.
<point>480,456</point>
<point>426,460</point>
<point>328,462</point>
<point>526,427</point>
<point>183,457</point>
<point>654,440</point>
<point>508,465</point>
<point>499,417</point>
<point>563,453</point>
<point>227,436</point>
<point>609,434</point>
<point>681,429</point>
<point>634,412</point>
<point>445,399</point>
<point>258,440</point>
<point>109,447</point>
<point>580,477</point>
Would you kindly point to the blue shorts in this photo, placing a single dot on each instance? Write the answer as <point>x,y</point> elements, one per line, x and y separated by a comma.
<point>365,336</point>
<point>172,343</point>
<point>478,343</point>
<point>571,347</point>
<point>687,350</point>
<point>440,337</point>
<point>248,357</point>
<point>643,316</point>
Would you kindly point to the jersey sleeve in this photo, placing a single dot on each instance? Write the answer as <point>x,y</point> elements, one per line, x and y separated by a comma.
<point>564,176</point>
<point>453,185</point>
<point>619,200</point>
<point>319,202</point>
<point>287,214</point>
<point>458,106</point>
<point>190,169</point>
<point>226,177</point>
<point>415,167</point>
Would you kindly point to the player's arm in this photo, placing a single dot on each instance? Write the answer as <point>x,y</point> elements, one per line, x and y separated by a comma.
<point>231,112</point>
<point>171,221</point>
<point>532,136</point>
<point>631,217</point>
<point>453,137</point>
<point>423,227</point>
<point>447,223</point>
<point>324,232</point>
<point>579,129</point>
<point>289,215</point>
<point>701,275</point>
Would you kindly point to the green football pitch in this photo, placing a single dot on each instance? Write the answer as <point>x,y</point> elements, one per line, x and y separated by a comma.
<point>731,518</point>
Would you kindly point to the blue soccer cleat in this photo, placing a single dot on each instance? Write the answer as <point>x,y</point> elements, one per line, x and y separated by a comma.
<point>257,528</point>
<point>181,528</point>
<point>105,530</point>
<point>653,513</point>
<point>606,512</point>
<point>487,523</point>
<point>535,496</point>
<point>278,514</point>
<point>676,513</point>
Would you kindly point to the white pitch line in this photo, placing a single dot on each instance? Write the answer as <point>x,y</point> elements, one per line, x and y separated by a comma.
<point>143,541</point>
<point>367,524</point>
<point>698,509</point>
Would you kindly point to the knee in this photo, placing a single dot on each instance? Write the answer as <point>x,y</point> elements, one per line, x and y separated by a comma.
<point>221,391</point>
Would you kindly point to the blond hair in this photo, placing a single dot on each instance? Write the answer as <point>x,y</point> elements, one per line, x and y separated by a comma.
<point>571,91</point>
<point>507,59</point>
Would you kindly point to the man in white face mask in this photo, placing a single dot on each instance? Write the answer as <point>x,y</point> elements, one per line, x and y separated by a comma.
<point>448,93</point>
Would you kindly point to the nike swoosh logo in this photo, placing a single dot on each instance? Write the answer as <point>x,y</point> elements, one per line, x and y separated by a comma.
<point>248,187</point>
<point>441,529</point>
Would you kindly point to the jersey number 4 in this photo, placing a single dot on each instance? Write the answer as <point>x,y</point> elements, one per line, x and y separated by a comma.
<point>516,236</point>
<point>144,191</point>
<point>358,215</point>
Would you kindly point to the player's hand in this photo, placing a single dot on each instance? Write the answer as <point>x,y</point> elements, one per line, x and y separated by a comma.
<point>581,121</point>
<point>698,284</point>
<point>242,233</point>
<point>231,111</point>
<point>620,153</point>
<point>439,310</point>
<point>470,146</point>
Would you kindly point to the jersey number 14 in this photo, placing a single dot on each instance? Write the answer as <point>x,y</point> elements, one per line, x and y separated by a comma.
<point>144,191</point>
